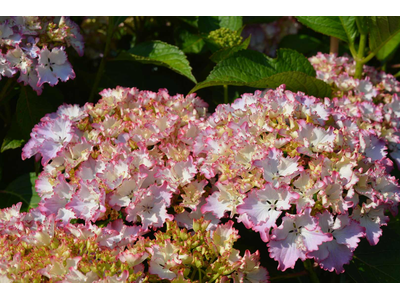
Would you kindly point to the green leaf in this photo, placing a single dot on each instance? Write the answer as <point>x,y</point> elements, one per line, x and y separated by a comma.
<point>350,27</point>
<point>11,144</point>
<point>208,24</point>
<point>226,52</point>
<point>254,69</point>
<point>297,81</point>
<point>389,48</point>
<point>305,44</point>
<point>331,26</point>
<point>380,263</point>
<point>22,190</point>
<point>189,42</point>
<point>384,34</point>
<point>161,54</point>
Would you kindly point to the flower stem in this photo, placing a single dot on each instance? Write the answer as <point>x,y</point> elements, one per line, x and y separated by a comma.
<point>226,94</point>
<point>360,61</point>
<point>199,275</point>
<point>100,71</point>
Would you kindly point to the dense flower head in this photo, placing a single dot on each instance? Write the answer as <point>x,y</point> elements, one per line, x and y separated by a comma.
<point>35,47</point>
<point>311,176</point>
<point>37,250</point>
<point>129,154</point>
<point>278,156</point>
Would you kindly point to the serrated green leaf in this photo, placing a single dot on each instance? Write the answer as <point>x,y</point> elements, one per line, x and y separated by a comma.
<point>384,32</point>
<point>251,68</point>
<point>297,81</point>
<point>226,52</point>
<point>350,27</point>
<point>161,54</point>
<point>22,190</point>
<point>189,42</point>
<point>380,263</point>
<point>389,48</point>
<point>331,26</point>
<point>208,24</point>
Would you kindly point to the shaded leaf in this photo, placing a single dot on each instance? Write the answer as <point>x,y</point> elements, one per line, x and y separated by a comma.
<point>162,54</point>
<point>384,32</point>
<point>207,24</point>
<point>254,69</point>
<point>259,20</point>
<point>304,44</point>
<point>226,52</point>
<point>190,42</point>
<point>380,263</point>
<point>331,26</point>
<point>297,81</point>
<point>22,190</point>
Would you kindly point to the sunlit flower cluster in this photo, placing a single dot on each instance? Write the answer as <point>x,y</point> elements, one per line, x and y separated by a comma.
<point>129,154</point>
<point>35,47</point>
<point>301,171</point>
<point>34,249</point>
<point>311,176</point>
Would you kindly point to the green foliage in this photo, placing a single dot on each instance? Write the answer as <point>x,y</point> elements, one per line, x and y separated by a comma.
<point>162,54</point>
<point>380,263</point>
<point>208,24</point>
<point>384,35</point>
<point>254,69</point>
<point>332,26</point>
<point>226,52</point>
<point>22,190</point>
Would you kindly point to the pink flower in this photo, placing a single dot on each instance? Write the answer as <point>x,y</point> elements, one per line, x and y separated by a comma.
<point>294,238</point>
<point>53,66</point>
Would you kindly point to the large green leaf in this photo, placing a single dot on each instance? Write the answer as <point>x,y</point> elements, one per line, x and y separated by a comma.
<point>189,42</point>
<point>331,26</point>
<point>350,27</point>
<point>22,190</point>
<point>380,263</point>
<point>384,35</point>
<point>226,52</point>
<point>162,54</point>
<point>297,81</point>
<point>207,24</point>
<point>254,69</point>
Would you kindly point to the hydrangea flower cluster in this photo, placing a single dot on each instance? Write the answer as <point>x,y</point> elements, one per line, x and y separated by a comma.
<point>301,172</point>
<point>311,176</point>
<point>372,101</point>
<point>35,47</point>
<point>265,37</point>
<point>34,249</point>
<point>129,153</point>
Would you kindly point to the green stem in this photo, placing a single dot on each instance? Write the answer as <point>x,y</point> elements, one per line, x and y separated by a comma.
<point>194,273</point>
<point>226,98</point>
<point>360,56</point>
<point>308,266</point>
<point>199,275</point>
<point>100,71</point>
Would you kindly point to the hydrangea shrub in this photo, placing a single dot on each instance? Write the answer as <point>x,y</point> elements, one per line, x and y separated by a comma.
<point>151,179</point>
